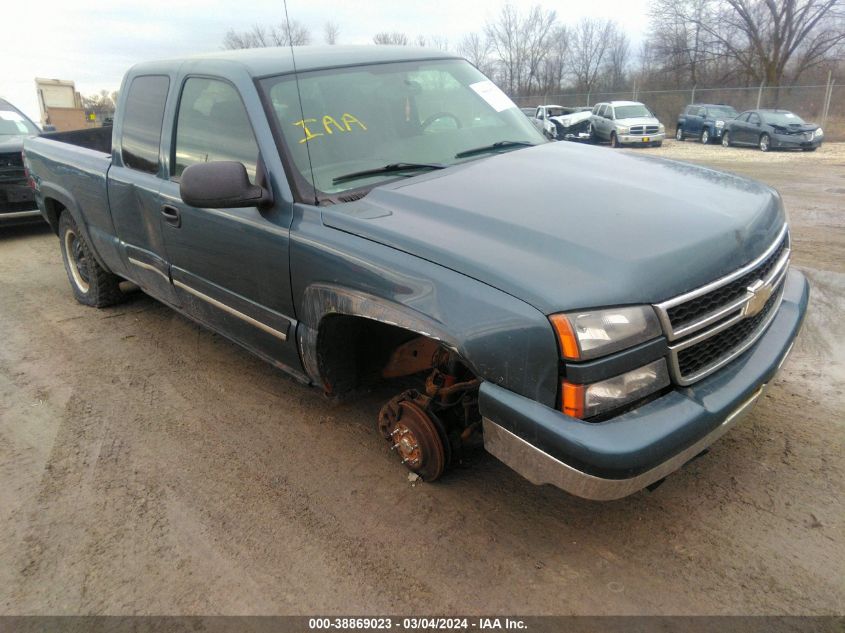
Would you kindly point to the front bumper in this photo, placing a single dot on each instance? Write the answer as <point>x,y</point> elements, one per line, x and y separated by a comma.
<point>789,141</point>
<point>640,139</point>
<point>615,458</point>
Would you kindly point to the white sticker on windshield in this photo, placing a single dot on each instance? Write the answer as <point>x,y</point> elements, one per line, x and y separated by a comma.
<point>491,93</point>
<point>789,115</point>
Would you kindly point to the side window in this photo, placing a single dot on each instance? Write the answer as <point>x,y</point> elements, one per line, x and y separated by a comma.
<point>142,122</point>
<point>539,114</point>
<point>212,125</point>
<point>602,110</point>
<point>690,110</point>
<point>743,117</point>
<point>753,118</point>
<point>701,112</point>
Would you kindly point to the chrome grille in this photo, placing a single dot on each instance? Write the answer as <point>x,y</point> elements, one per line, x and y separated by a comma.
<point>692,359</point>
<point>640,130</point>
<point>711,325</point>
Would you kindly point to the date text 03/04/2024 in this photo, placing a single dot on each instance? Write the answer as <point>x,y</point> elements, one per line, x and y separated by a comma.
<point>416,623</point>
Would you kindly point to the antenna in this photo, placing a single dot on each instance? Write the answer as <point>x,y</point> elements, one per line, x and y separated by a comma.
<point>299,96</point>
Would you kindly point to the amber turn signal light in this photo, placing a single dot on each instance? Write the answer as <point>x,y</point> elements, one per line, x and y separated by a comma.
<point>572,398</point>
<point>565,337</point>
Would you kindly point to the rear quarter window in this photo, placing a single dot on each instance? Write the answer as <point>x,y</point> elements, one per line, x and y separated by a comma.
<point>142,122</point>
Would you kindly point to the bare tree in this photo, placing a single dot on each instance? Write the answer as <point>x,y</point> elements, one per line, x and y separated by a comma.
<point>589,47</point>
<point>331,32</point>
<point>519,44</point>
<point>504,37</point>
<point>476,49</point>
<point>104,101</point>
<point>395,38</point>
<point>765,40</point>
<point>618,56</point>
<point>537,26</point>
<point>290,34</point>
<point>554,67</point>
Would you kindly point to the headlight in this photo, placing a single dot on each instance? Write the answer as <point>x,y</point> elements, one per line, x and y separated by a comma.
<point>586,335</point>
<point>586,401</point>
<point>720,124</point>
<point>623,130</point>
<point>661,128</point>
<point>818,133</point>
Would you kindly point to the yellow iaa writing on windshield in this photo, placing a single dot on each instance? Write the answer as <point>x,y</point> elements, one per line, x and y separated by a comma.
<point>330,125</point>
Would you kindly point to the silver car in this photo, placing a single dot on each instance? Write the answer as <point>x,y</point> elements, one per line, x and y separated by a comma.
<point>626,123</point>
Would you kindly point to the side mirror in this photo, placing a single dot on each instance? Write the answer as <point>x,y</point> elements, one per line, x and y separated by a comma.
<point>220,185</point>
<point>48,128</point>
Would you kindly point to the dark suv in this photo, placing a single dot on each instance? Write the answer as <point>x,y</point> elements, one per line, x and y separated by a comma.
<point>704,121</point>
<point>17,203</point>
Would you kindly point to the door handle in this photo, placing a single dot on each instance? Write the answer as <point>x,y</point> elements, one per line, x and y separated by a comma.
<point>171,215</point>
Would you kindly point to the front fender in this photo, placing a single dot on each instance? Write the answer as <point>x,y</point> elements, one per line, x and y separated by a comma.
<point>503,339</point>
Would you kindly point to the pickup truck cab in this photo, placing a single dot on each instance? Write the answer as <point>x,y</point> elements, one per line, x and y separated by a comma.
<point>17,204</point>
<point>368,214</point>
<point>704,121</point>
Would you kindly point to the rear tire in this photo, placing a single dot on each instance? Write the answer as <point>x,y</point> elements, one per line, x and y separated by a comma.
<point>92,285</point>
<point>764,143</point>
<point>726,139</point>
<point>705,136</point>
<point>679,134</point>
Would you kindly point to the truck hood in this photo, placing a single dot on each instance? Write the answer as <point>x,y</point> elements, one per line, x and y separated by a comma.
<point>638,120</point>
<point>565,226</point>
<point>568,120</point>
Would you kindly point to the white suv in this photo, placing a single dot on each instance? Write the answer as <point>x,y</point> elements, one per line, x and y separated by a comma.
<point>626,123</point>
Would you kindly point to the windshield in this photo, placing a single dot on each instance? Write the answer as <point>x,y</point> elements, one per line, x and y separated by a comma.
<point>721,112</point>
<point>632,111</point>
<point>781,118</point>
<point>12,123</point>
<point>366,117</point>
<point>556,112</point>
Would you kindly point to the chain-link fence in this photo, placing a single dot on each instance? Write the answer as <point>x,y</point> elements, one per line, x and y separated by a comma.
<point>819,104</point>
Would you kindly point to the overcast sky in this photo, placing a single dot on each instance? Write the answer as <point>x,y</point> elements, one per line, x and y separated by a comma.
<point>93,42</point>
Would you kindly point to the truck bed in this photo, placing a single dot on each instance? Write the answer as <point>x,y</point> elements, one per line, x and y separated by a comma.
<point>73,173</point>
<point>95,138</point>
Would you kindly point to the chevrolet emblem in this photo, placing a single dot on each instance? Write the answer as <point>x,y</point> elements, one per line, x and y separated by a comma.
<point>760,293</point>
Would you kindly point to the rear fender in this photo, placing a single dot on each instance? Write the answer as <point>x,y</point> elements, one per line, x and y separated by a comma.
<point>54,200</point>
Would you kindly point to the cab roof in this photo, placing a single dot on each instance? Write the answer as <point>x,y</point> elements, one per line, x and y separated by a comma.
<point>261,62</point>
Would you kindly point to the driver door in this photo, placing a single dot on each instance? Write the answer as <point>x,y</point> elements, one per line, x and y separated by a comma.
<point>229,266</point>
<point>753,127</point>
<point>739,128</point>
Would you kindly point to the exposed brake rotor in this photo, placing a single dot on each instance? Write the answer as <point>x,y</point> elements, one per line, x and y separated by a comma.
<point>414,436</point>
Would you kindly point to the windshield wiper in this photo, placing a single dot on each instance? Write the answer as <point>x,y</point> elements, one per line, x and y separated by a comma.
<point>492,148</point>
<point>387,169</point>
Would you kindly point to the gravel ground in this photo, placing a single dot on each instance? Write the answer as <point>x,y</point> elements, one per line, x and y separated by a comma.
<point>148,466</point>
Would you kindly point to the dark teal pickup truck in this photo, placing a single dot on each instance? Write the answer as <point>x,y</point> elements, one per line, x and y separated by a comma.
<point>362,215</point>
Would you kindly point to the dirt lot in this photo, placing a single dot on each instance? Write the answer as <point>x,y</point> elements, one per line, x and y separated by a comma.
<point>148,466</point>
